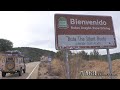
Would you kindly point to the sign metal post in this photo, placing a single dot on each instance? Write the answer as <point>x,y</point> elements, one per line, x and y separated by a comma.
<point>110,63</point>
<point>67,65</point>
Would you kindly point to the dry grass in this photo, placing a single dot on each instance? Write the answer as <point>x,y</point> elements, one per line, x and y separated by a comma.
<point>58,68</point>
<point>56,71</point>
<point>78,65</point>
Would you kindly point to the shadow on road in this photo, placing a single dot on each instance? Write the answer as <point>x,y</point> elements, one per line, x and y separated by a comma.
<point>15,76</point>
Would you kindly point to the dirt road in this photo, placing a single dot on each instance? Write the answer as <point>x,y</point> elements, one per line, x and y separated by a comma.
<point>31,72</point>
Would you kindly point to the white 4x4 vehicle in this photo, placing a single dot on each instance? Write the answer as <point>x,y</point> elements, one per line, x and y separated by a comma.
<point>12,62</point>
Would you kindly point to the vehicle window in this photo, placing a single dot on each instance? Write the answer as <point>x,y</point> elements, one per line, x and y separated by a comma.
<point>9,59</point>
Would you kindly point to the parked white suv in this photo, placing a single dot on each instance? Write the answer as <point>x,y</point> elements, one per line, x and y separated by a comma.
<point>12,62</point>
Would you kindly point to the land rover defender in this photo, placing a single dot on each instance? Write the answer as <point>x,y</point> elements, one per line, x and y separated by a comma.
<point>12,62</point>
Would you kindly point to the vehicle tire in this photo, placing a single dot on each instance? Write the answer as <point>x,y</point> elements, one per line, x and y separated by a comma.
<point>3,74</point>
<point>24,70</point>
<point>20,72</point>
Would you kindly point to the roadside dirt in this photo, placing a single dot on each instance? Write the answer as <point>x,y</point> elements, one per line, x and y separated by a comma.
<point>45,71</point>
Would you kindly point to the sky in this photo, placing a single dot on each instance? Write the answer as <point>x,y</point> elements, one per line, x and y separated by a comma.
<point>36,28</point>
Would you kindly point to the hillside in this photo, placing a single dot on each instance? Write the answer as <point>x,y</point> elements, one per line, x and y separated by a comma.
<point>34,54</point>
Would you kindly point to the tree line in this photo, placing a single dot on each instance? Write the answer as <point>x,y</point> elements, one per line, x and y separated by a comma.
<point>34,53</point>
<point>93,55</point>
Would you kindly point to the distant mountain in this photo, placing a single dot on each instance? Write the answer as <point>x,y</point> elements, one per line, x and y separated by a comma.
<point>34,54</point>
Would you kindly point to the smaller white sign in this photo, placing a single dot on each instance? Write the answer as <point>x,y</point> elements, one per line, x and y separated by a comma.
<point>86,40</point>
<point>49,59</point>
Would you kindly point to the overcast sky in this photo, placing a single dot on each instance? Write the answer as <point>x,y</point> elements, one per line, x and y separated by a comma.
<point>36,28</point>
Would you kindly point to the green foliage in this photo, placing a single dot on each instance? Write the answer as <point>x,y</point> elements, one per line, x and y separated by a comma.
<point>84,55</point>
<point>5,45</point>
<point>113,56</point>
<point>91,56</point>
<point>61,54</point>
<point>95,55</point>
